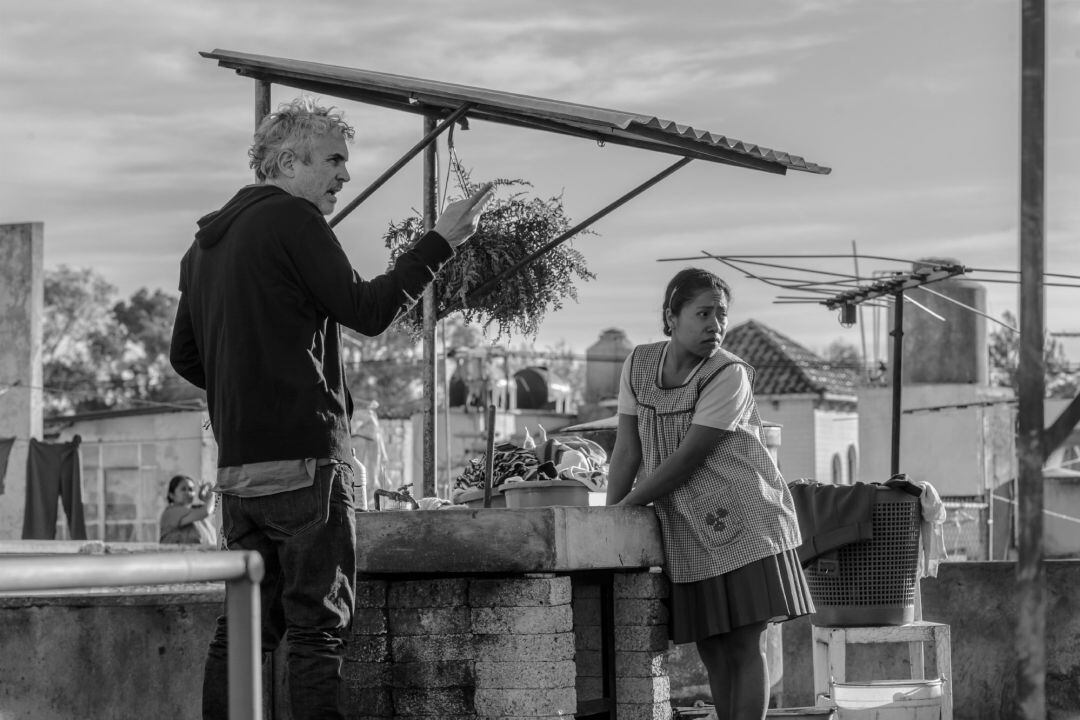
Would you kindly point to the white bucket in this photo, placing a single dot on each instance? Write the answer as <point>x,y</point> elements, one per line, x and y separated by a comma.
<point>888,700</point>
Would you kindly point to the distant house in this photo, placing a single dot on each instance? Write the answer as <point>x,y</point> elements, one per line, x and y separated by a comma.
<point>814,402</point>
<point>128,457</point>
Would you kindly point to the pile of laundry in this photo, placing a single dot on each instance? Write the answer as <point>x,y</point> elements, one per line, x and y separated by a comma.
<point>569,457</point>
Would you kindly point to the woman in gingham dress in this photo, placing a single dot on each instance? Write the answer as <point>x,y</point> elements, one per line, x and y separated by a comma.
<point>690,441</point>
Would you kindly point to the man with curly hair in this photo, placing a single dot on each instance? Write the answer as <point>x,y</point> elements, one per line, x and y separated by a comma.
<point>264,290</point>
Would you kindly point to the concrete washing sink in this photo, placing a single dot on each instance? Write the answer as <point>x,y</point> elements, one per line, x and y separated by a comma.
<point>499,540</point>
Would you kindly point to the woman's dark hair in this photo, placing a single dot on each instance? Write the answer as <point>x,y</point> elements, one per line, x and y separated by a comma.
<point>682,288</point>
<point>176,480</point>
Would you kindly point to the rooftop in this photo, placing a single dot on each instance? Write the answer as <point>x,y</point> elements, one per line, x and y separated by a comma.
<point>784,367</point>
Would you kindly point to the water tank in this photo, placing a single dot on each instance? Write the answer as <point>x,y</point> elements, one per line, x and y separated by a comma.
<point>953,351</point>
<point>603,365</point>
<point>538,389</point>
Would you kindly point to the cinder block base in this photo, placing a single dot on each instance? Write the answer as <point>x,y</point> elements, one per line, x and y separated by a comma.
<point>519,646</point>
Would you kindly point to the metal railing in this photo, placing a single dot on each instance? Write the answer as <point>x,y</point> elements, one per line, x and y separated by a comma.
<point>242,571</point>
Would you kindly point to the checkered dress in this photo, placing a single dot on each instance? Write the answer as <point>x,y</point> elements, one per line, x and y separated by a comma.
<point>735,508</point>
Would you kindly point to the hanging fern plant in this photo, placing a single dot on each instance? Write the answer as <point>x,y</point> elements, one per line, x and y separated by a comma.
<point>512,227</point>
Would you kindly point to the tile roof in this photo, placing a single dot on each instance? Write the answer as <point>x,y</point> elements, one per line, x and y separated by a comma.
<point>783,366</point>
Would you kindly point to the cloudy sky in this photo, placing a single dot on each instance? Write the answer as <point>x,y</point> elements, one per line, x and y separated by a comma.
<point>118,135</point>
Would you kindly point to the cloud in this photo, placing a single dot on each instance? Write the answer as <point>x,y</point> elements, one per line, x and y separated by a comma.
<point>118,135</point>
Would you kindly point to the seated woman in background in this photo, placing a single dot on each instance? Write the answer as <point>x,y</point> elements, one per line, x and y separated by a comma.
<point>183,522</point>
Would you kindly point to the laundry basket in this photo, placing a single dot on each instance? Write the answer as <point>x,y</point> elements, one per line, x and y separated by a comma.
<point>872,582</point>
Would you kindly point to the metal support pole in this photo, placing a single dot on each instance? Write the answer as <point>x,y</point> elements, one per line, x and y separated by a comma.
<point>445,367</point>
<point>245,648</point>
<point>489,455</point>
<point>430,440</point>
<point>262,101</point>
<point>1031,380</point>
<point>262,104</point>
<point>897,377</point>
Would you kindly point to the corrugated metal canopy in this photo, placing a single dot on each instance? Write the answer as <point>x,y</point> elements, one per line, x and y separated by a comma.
<point>425,96</point>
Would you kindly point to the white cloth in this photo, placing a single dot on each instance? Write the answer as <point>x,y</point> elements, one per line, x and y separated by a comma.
<point>932,536</point>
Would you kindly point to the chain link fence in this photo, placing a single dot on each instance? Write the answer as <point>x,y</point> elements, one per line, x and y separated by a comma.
<point>967,528</point>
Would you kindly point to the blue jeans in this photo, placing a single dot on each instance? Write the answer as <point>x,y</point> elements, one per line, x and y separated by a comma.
<point>307,539</point>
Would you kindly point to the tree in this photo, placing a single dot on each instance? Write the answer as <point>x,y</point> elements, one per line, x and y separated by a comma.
<point>80,338</point>
<point>147,320</point>
<point>98,354</point>
<point>385,370</point>
<point>845,356</point>
<point>841,353</point>
<point>1004,362</point>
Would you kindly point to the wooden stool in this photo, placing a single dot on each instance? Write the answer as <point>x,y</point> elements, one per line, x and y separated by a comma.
<point>830,653</point>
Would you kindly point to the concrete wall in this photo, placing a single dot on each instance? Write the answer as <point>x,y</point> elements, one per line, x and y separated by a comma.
<point>962,451</point>
<point>835,432</point>
<point>116,657</point>
<point>795,415</point>
<point>183,445</point>
<point>1061,525</point>
<point>812,435</point>
<point>978,601</point>
<point>109,654</point>
<point>22,298</point>
<point>141,656</point>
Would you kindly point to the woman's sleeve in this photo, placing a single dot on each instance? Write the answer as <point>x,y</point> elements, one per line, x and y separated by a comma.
<point>627,400</point>
<point>724,400</point>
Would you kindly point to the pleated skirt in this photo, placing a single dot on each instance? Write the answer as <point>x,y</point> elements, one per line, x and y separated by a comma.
<point>772,589</point>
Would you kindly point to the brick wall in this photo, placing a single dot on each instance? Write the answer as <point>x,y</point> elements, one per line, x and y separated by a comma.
<point>642,686</point>
<point>521,646</point>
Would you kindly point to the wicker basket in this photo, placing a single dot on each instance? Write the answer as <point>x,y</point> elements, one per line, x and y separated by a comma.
<point>872,582</point>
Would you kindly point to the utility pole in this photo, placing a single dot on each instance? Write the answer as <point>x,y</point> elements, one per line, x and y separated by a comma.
<point>1030,569</point>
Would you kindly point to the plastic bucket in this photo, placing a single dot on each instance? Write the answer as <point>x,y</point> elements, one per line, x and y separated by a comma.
<point>545,493</point>
<point>888,700</point>
<point>474,498</point>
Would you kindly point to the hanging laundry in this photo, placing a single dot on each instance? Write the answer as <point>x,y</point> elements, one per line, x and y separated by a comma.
<point>53,471</point>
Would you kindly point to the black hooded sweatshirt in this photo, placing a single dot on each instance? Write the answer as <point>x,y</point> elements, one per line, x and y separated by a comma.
<point>263,290</point>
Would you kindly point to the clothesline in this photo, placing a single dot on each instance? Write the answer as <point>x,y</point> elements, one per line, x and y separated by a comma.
<point>1049,513</point>
<point>75,390</point>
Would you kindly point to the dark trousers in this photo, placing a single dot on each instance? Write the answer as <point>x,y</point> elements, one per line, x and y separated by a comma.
<point>53,470</point>
<point>307,539</point>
